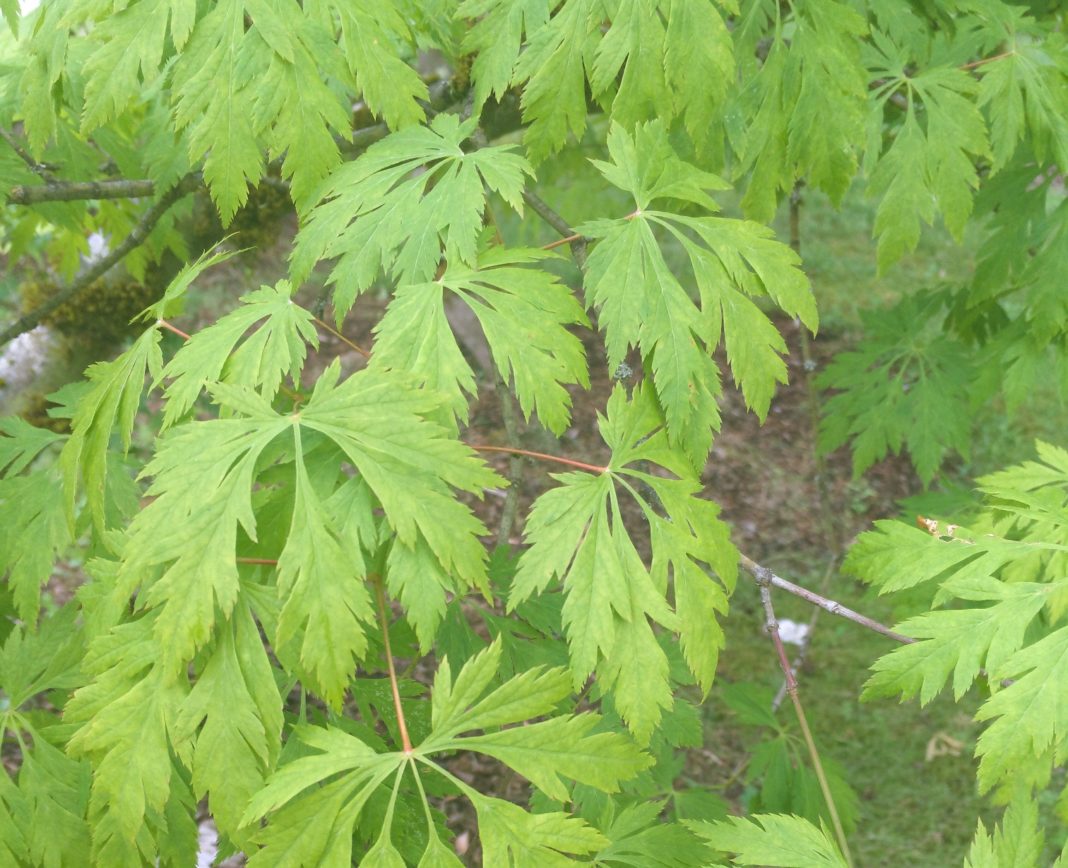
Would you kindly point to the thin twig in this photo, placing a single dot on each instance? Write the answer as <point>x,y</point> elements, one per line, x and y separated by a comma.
<point>544,456</point>
<point>39,169</point>
<point>325,325</point>
<point>136,237</point>
<point>383,620</point>
<point>772,626</point>
<point>828,605</point>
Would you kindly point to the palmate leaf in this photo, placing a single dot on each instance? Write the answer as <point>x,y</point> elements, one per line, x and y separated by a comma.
<point>276,348</point>
<point>645,65</point>
<point>21,443</point>
<point>804,109</point>
<point>495,38</point>
<point>209,94</point>
<point>376,214</point>
<point>390,87</point>
<point>541,751</point>
<point>233,719</point>
<point>1018,840</point>
<point>524,313</point>
<point>930,166</point>
<point>127,48</point>
<point>112,401</point>
<point>577,534</point>
<point>772,839</point>
<point>125,716</point>
<point>1024,92</point>
<point>641,303</point>
<point>1030,717</point>
<point>902,388</point>
<point>33,530</point>
<point>960,641</point>
<point>545,751</point>
<point>294,110</point>
<point>203,478</point>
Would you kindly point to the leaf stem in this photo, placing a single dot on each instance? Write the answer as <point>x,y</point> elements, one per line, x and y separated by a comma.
<point>985,60</point>
<point>544,456</point>
<point>772,626</point>
<point>567,239</point>
<point>163,324</point>
<point>265,561</point>
<point>323,324</point>
<point>383,620</point>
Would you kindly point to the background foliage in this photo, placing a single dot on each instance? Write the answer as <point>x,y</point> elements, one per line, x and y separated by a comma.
<point>265,535</point>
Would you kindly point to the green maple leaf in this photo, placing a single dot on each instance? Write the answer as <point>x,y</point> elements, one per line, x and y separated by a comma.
<point>578,535</point>
<point>21,443</point>
<point>276,348</point>
<point>641,303</point>
<point>1023,92</point>
<point>828,84</point>
<point>32,662</point>
<point>208,91</point>
<point>511,836</point>
<point>929,167</point>
<point>202,484</point>
<point>128,48</point>
<point>524,314</point>
<point>376,215</point>
<point>33,531</point>
<point>772,839</point>
<point>959,641</point>
<point>495,38</point>
<point>1018,840</point>
<point>297,113</point>
<point>112,401</point>
<point>233,719</point>
<point>57,788</point>
<point>125,716</point>
<point>544,751</point>
<point>203,477</point>
<point>901,388</point>
<point>552,69</point>
<point>540,751</point>
<point>390,86</point>
<point>1030,718</point>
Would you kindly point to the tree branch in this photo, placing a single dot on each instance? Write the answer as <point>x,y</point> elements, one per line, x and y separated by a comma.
<point>41,169</point>
<point>764,575</point>
<point>578,243</point>
<point>70,191</point>
<point>136,237</point>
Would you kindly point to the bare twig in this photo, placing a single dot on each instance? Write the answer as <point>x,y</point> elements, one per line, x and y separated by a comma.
<point>764,579</point>
<point>136,237</point>
<point>758,572</point>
